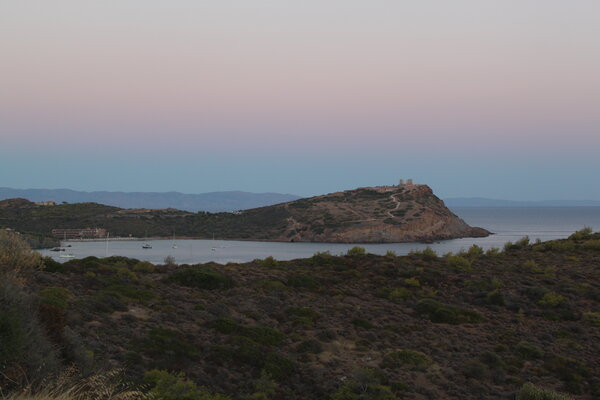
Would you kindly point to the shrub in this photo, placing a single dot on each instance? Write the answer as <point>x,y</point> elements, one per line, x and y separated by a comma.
<point>443,313</point>
<point>167,348</point>
<point>414,282</point>
<point>476,369</point>
<point>16,257</point>
<point>356,251</point>
<point>260,334</point>
<point>551,299</point>
<point>365,384</point>
<point>310,346</point>
<point>169,261</point>
<point>519,244</point>
<point>493,252</point>
<point>592,319</point>
<point>390,253</point>
<point>302,281</point>
<point>201,278</point>
<point>26,354</point>
<point>592,245</point>
<point>303,314</point>
<point>495,297</point>
<point>398,295</point>
<point>144,267</point>
<point>362,323</point>
<point>174,386</point>
<point>458,262</point>
<point>427,253</point>
<point>582,234</point>
<point>268,262</point>
<point>55,296</point>
<point>531,392</point>
<point>529,351</point>
<point>474,251</point>
<point>414,360</point>
<point>51,265</point>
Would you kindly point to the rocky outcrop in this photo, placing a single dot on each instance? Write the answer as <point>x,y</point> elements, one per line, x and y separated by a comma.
<point>387,214</point>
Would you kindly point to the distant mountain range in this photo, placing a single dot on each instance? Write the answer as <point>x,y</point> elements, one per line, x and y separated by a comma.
<point>234,200</point>
<point>483,202</point>
<point>212,202</point>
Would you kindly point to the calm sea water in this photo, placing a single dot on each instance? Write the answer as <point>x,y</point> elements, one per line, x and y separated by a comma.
<point>508,224</point>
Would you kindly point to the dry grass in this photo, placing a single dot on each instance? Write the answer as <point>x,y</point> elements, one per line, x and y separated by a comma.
<point>105,386</point>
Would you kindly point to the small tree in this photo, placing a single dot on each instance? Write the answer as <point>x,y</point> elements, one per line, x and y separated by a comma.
<point>16,257</point>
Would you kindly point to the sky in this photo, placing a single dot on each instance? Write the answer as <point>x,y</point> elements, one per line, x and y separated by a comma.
<point>483,98</point>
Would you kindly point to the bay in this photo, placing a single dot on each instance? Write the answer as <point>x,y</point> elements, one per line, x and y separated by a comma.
<point>507,224</point>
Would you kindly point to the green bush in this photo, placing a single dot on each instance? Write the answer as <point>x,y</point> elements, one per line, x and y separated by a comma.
<point>268,262</point>
<point>55,296</point>
<point>259,334</point>
<point>410,359</point>
<point>310,346</point>
<point>201,278</point>
<point>519,244</point>
<point>398,295</point>
<point>365,384</point>
<point>592,245</point>
<point>443,313</point>
<point>495,297</point>
<point>592,319</point>
<point>27,356</point>
<point>174,386</point>
<point>458,262</point>
<point>551,299</point>
<point>144,267</point>
<point>302,281</point>
<point>529,351</point>
<point>356,251</point>
<point>168,349</point>
<point>427,254</point>
<point>362,323</point>
<point>303,314</point>
<point>16,257</point>
<point>582,234</point>
<point>531,392</point>
<point>51,265</point>
<point>474,251</point>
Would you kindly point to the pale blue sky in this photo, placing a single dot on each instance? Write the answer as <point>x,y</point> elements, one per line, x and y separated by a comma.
<point>474,97</point>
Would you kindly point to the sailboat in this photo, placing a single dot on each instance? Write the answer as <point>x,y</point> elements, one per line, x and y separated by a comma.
<point>147,245</point>
<point>174,246</point>
<point>214,248</point>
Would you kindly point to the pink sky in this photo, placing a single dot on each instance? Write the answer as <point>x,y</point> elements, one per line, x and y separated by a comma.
<point>505,77</point>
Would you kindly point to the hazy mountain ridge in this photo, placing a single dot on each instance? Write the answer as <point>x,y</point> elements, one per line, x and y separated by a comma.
<point>485,202</point>
<point>211,201</point>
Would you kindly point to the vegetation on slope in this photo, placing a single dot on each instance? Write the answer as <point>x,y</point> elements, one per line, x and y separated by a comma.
<point>357,215</point>
<point>524,321</point>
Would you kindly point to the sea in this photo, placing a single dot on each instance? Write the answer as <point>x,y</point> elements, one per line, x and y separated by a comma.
<point>506,223</point>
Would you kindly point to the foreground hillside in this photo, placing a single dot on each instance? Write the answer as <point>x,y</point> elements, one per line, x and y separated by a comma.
<point>368,215</point>
<point>466,326</point>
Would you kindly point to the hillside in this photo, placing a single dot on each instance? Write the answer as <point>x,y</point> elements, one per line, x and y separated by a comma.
<point>366,215</point>
<point>466,326</point>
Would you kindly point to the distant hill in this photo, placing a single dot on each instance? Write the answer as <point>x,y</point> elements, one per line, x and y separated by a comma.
<point>384,214</point>
<point>212,202</point>
<point>484,202</point>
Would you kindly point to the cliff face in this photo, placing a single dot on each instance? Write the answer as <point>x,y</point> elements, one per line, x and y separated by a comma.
<point>384,214</point>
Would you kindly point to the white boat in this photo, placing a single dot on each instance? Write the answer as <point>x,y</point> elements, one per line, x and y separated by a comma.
<point>146,246</point>
<point>67,256</point>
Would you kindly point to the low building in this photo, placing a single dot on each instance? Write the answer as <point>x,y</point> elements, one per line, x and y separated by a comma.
<point>85,233</point>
